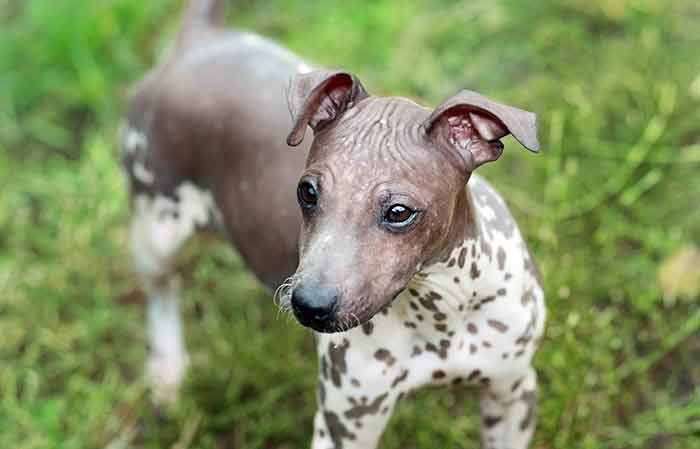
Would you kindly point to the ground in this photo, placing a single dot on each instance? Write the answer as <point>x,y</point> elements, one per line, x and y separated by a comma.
<point>616,84</point>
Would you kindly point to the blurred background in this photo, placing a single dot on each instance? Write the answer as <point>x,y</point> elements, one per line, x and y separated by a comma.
<point>611,210</point>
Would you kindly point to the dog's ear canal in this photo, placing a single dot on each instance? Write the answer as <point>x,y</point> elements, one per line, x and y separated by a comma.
<point>473,125</point>
<point>317,98</point>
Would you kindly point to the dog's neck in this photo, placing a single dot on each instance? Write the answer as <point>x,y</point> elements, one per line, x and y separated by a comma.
<point>465,279</point>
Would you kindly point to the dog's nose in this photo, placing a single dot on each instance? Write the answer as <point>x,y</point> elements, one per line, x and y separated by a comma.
<point>314,306</point>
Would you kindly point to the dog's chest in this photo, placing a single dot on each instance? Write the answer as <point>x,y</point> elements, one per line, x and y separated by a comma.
<point>465,320</point>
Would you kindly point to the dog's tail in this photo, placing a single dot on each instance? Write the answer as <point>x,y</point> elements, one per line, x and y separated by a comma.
<point>200,15</point>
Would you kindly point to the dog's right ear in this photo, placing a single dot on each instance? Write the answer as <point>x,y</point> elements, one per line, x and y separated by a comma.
<point>317,98</point>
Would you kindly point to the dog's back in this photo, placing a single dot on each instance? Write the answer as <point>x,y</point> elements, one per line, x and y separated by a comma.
<point>213,115</point>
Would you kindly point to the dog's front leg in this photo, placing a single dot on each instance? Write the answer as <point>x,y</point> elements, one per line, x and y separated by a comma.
<point>509,411</point>
<point>357,392</point>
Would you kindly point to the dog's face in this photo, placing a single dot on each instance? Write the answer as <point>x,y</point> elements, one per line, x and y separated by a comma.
<point>381,192</point>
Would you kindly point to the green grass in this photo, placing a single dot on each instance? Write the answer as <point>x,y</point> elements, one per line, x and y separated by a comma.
<point>616,84</point>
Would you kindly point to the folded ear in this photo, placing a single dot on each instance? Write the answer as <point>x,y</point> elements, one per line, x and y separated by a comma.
<point>473,125</point>
<point>317,98</point>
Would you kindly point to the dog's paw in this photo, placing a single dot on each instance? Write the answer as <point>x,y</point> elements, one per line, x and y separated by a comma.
<point>165,375</point>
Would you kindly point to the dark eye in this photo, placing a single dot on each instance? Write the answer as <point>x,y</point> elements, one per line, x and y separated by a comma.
<point>307,195</point>
<point>398,215</point>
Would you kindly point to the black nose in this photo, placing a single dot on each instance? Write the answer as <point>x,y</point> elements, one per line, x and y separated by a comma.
<point>314,306</point>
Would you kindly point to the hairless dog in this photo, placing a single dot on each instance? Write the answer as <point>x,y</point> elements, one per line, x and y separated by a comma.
<point>408,266</point>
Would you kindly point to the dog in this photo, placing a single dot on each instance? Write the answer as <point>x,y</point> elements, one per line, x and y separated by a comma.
<point>408,267</point>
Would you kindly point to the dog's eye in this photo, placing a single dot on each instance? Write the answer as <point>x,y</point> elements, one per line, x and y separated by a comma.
<point>398,215</point>
<point>307,195</point>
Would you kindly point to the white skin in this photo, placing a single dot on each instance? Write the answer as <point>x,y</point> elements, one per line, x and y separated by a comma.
<point>481,330</point>
<point>160,227</point>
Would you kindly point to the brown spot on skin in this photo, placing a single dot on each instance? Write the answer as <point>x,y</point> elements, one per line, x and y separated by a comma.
<point>338,364</point>
<point>519,353</point>
<point>383,355</point>
<point>428,303</point>
<point>457,381</point>
<point>321,393</point>
<point>523,340</point>
<point>321,433</point>
<point>472,329</point>
<point>355,382</point>
<point>500,326</point>
<point>456,279</point>
<point>440,316</point>
<point>367,328</point>
<point>413,305</point>
<point>505,355</point>
<point>501,292</point>
<point>472,348</point>
<point>474,375</point>
<point>516,384</point>
<point>531,268</point>
<point>324,367</point>
<point>451,263</point>
<point>337,430</point>
<point>486,249</point>
<point>400,378</point>
<point>486,344</point>
<point>474,271</point>
<point>462,257</point>
<point>441,327</point>
<point>530,399</point>
<point>442,352</point>
<point>416,351</point>
<point>528,297</point>
<point>419,317</point>
<point>410,325</point>
<point>501,258</point>
<point>413,292</point>
<point>474,250</point>
<point>439,374</point>
<point>487,300</point>
<point>485,381</point>
<point>362,408</point>
<point>491,421</point>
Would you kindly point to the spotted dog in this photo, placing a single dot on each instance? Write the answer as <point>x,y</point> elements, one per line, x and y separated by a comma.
<point>408,267</point>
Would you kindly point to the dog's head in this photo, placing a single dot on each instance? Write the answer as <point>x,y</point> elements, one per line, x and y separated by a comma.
<point>383,189</point>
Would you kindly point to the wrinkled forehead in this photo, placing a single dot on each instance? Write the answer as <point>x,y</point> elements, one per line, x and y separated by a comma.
<point>380,138</point>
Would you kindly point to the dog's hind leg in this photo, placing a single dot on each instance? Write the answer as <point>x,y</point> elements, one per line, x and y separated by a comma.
<point>160,227</point>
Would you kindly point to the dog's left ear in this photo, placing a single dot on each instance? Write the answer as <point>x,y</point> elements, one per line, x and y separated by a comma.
<point>473,125</point>
<point>317,98</point>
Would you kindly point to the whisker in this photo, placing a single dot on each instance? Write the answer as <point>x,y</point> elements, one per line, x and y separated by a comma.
<point>356,319</point>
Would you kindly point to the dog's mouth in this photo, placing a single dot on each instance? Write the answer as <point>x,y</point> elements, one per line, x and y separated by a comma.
<point>346,320</point>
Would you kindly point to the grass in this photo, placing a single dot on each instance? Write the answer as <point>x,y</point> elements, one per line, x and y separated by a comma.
<point>616,84</point>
